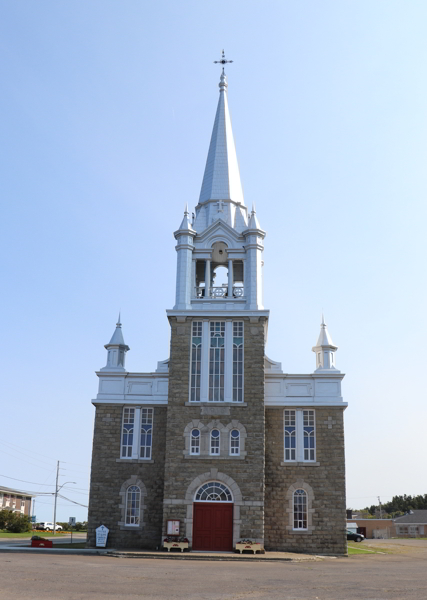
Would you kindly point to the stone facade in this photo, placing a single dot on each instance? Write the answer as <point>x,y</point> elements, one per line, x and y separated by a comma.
<point>324,479</point>
<point>109,473</point>
<point>244,475</point>
<point>297,506</point>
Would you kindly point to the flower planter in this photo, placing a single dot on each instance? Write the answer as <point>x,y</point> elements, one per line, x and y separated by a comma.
<point>181,545</point>
<point>254,547</point>
<point>41,544</point>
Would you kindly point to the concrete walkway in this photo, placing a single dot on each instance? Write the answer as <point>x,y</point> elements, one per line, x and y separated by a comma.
<point>201,556</point>
<point>214,556</point>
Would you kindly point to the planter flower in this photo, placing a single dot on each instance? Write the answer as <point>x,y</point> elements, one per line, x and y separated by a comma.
<point>249,545</point>
<point>171,542</point>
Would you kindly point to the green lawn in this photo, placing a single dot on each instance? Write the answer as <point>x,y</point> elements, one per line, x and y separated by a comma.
<point>358,549</point>
<point>27,534</point>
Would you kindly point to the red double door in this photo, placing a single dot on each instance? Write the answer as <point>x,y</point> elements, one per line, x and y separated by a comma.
<point>213,526</point>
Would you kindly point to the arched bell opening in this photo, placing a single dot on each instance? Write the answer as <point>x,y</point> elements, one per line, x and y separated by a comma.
<point>220,276</point>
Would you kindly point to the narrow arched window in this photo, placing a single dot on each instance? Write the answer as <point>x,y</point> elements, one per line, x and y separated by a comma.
<point>214,441</point>
<point>300,509</point>
<point>195,441</point>
<point>290,435</point>
<point>146,432</point>
<point>128,432</point>
<point>133,505</point>
<point>235,442</point>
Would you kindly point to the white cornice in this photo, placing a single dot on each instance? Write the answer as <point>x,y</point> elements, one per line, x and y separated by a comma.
<point>235,313</point>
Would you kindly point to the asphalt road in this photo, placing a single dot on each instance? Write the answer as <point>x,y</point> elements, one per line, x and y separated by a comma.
<point>373,577</point>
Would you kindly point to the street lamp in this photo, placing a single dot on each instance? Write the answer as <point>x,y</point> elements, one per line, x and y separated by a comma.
<point>56,498</point>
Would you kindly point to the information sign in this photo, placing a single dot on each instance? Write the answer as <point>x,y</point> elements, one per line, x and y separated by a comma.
<point>33,519</point>
<point>173,527</point>
<point>101,536</point>
<point>72,521</point>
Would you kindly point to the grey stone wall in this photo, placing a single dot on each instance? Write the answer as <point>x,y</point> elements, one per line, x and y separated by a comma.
<point>245,475</point>
<point>325,482</point>
<point>109,473</point>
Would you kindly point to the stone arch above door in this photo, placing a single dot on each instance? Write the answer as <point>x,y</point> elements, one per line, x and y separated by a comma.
<point>213,475</point>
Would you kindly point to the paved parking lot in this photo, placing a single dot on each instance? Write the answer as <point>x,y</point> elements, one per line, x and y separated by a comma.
<point>372,577</point>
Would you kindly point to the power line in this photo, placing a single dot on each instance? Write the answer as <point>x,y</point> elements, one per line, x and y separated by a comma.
<point>23,481</point>
<point>44,455</point>
<point>69,500</point>
<point>23,460</point>
<point>25,453</point>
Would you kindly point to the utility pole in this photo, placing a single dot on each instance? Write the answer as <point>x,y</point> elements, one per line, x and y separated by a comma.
<point>56,498</point>
<point>381,510</point>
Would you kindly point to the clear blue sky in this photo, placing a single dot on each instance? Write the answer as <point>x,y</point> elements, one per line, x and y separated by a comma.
<point>107,109</point>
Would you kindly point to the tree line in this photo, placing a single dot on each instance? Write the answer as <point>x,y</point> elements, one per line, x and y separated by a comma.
<point>399,505</point>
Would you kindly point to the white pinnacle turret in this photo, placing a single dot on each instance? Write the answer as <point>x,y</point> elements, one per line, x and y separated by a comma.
<point>185,224</point>
<point>325,349</point>
<point>116,350</point>
<point>253,221</point>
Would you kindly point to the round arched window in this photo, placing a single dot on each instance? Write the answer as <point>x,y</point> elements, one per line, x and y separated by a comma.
<point>213,492</point>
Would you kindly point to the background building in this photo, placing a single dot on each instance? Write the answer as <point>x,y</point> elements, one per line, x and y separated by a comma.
<point>15,500</point>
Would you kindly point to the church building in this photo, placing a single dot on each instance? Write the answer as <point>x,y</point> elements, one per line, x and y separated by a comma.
<point>219,439</point>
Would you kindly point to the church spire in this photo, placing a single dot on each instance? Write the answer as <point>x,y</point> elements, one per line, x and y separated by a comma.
<point>221,180</point>
<point>325,349</point>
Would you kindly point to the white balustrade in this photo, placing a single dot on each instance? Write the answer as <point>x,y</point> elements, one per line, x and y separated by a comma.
<point>218,293</point>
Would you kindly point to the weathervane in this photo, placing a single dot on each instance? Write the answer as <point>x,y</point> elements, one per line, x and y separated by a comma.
<point>223,61</point>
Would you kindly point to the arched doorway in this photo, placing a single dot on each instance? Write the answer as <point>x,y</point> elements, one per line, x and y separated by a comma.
<point>213,517</point>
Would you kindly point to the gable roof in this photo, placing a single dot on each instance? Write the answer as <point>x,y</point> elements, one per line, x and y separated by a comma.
<point>6,490</point>
<point>418,517</point>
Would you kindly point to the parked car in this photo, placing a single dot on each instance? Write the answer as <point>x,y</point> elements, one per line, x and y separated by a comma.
<point>48,526</point>
<point>356,537</point>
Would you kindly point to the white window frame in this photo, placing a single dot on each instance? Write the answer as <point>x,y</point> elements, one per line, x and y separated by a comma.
<point>136,517</point>
<point>139,413</point>
<point>215,450</point>
<point>195,450</point>
<point>127,413</point>
<point>300,436</point>
<point>146,449</point>
<point>231,393</point>
<point>295,509</point>
<point>235,450</point>
<point>195,358</point>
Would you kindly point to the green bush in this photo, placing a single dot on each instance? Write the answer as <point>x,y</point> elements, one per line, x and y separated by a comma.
<point>4,517</point>
<point>19,524</point>
<point>14,522</point>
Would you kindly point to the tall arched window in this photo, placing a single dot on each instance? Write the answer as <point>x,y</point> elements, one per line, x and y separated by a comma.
<point>133,505</point>
<point>300,509</point>
<point>235,442</point>
<point>215,441</point>
<point>195,441</point>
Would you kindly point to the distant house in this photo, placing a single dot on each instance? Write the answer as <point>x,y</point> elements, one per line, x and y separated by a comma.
<point>413,524</point>
<point>372,528</point>
<point>16,500</point>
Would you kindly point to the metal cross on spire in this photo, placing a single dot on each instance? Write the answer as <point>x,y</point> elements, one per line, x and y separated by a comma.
<point>223,61</point>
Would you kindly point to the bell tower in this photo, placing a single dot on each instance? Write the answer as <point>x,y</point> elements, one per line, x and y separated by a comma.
<point>216,367</point>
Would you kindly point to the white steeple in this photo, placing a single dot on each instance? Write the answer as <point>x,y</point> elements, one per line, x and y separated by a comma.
<point>116,350</point>
<point>221,195</point>
<point>325,349</point>
<point>221,180</point>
